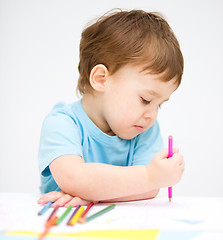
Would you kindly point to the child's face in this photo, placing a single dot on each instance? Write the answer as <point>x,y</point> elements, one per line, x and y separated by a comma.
<point>132,99</point>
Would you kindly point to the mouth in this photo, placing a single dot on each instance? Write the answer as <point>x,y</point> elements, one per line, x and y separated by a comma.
<point>139,128</point>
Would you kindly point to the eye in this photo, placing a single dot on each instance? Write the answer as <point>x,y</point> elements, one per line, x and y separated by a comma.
<point>145,101</point>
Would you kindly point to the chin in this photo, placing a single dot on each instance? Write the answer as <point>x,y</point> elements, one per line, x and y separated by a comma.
<point>127,136</point>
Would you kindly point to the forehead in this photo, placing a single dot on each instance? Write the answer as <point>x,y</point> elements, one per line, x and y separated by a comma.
<point>157,88</point>
<point>154,84</point>
<point>133,76</point>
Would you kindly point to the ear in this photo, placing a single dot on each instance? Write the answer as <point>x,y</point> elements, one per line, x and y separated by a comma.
<point>98,77</point>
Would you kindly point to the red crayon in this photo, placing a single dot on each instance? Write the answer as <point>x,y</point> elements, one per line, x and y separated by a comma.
<point>87,209</point>
<point>53,213</point>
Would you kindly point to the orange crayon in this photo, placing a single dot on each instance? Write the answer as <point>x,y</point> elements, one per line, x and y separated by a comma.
<point>48,225</point>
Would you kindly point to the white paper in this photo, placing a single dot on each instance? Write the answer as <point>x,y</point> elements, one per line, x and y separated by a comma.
<point>18,212</point>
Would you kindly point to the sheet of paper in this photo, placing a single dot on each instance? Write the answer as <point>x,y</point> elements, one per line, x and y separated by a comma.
<point>18,212</point>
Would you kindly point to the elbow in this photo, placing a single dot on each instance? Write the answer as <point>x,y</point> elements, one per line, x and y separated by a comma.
<point>71,184</point>
<point>67,173</point>
<point>154,193</point>
<point>65,186</point>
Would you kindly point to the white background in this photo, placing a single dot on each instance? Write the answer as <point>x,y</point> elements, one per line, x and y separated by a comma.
<point>39,42</point>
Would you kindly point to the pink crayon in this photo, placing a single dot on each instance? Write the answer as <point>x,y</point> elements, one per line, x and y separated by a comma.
<point>170,154</point>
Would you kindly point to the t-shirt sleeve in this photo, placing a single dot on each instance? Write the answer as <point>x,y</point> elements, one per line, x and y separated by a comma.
<point>59,136</point>
<point>147,145</point>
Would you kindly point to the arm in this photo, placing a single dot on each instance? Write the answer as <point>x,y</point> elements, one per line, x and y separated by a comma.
<point>97,181</point>
<point>60,198</point>
<point>144,196</point>
<point>102,182</point>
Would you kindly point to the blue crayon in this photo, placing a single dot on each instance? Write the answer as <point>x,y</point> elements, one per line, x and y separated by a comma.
<point>45,208</point>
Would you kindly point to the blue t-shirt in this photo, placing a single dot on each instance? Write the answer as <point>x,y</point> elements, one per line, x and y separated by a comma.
<point>67,129</point>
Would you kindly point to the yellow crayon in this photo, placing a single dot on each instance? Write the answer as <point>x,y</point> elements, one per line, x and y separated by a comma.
<point>76,216</point>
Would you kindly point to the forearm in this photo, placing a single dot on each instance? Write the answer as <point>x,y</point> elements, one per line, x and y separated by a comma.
<point>144,196</point>
<point>99,182</point>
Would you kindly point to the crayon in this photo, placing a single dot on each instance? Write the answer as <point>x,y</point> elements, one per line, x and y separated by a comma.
<point>48,225</point>
<point>45,208</point>
<point>76,216</point>
<point>61,218</point>
<point>110,207</point>
<point>170,154</point>
<point>53,213</point>
<point>68,223</point>
<point>86,211</point>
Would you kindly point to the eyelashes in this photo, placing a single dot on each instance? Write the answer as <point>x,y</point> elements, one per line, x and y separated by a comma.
<point>144,101</point>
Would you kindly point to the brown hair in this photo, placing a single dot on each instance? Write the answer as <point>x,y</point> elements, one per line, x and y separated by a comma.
<point>135,36</point>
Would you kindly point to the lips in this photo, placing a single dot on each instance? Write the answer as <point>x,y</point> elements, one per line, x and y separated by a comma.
<point>139,128</point>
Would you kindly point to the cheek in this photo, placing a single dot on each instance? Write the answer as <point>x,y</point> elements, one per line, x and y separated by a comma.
<point>124,114</point>
<point>121,107</point>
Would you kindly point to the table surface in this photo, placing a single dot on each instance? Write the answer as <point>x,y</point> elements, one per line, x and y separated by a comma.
<point>155,219</point>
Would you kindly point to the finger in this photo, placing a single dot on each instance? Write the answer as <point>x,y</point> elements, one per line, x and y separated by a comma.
<point>175,150</point>
<point>181,163</point>
<point>178,156</point>
<point>182,166</point>
<point>162,154</point>
<point>77,201</point>
<point>62,200</point>
<point>50,197</point>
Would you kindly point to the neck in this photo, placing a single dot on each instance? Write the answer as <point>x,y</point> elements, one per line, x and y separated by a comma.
<point>93,106</point>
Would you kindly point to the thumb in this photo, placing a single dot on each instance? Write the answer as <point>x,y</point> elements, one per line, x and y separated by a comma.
<point>162,154</point>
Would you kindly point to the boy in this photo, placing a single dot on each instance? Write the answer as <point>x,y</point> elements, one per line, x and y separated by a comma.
<point>107,146</point>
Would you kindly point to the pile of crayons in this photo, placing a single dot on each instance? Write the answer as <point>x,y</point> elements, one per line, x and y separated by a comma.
<point>77,216</point>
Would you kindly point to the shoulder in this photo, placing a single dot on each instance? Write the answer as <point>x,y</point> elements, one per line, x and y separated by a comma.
<point>63,120</point>
<point>63,112</point>
<point>60,134</point>
<point>62,108</point>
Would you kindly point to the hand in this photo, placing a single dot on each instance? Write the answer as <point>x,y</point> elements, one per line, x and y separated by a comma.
<point>165,172</point>
<point>59,198</point>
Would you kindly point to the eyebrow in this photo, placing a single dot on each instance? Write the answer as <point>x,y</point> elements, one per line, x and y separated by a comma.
<point>156,94</point>
<point>153,93</point>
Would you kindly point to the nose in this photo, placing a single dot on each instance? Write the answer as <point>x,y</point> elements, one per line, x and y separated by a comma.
<point>150,114</point>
